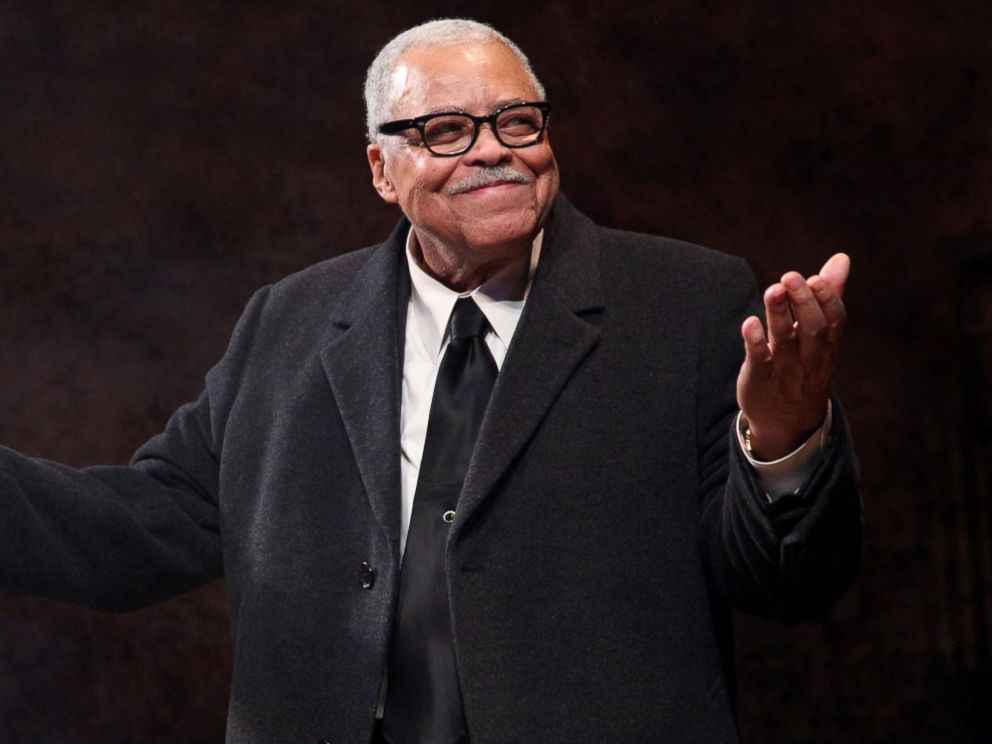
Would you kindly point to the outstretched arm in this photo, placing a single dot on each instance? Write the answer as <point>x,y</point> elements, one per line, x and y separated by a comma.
<point>792,556</point>
<point>123,537</point>
<point>114,537</point>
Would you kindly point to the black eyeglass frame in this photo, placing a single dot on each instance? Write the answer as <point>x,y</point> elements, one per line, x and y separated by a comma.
<point>401,125</point>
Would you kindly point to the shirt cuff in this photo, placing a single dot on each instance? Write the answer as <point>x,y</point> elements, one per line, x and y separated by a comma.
<point>787,475</point>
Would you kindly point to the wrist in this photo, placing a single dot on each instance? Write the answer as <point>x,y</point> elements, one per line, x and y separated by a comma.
<point>768,446</point>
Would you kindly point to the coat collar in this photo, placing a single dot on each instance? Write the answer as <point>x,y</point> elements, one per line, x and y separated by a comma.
<point>363,361</point>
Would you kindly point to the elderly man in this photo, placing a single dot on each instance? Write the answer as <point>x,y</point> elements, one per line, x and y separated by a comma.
<point>535,417</point>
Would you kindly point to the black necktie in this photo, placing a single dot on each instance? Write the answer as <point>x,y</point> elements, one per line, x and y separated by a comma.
<point>423,699</point>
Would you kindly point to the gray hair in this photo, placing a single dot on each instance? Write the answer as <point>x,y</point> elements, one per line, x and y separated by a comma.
<point>379,95</point>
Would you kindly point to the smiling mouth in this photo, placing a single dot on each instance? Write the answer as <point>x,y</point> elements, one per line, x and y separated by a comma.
<point>487,186</point>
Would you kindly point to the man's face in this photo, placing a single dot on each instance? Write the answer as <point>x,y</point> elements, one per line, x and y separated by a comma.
<point>481,226</point>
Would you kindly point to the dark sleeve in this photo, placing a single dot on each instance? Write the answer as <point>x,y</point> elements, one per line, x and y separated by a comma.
<point>792,559</point>
<point>123,537</point>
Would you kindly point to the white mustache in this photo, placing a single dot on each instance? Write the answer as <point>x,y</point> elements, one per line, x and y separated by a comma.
<point>487,176</point>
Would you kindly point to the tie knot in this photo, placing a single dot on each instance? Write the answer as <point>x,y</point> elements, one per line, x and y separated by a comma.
<point>467,319</point>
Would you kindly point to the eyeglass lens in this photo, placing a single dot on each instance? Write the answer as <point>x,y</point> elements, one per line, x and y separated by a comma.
<point>520,125</point>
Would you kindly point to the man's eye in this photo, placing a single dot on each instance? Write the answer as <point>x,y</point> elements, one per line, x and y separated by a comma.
<point>519,124</point>
<point>445,130</point>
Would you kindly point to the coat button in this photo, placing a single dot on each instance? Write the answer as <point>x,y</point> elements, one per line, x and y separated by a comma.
<point>448,516</point>
<point>793,553</point>
<point>367,574</point>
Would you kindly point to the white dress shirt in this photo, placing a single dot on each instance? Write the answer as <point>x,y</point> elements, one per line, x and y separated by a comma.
<point>501,299</point>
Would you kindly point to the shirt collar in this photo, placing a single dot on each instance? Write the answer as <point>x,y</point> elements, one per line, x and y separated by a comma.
<point>501,297</point>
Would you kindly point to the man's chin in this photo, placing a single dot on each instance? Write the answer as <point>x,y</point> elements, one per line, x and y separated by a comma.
<point>491,231</point>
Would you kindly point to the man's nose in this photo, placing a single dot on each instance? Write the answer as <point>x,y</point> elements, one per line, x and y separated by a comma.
<point>487,147</point>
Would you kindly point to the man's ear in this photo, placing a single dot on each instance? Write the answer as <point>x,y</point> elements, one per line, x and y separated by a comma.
<point>380,180</point>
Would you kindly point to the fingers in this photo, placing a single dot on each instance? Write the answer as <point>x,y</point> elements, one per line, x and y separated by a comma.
<point>758,364</point>
<point>805,318</point>
<point>780,321</point>
<point>830,305</point>
<point>806,300</point>
<point>757,355</point>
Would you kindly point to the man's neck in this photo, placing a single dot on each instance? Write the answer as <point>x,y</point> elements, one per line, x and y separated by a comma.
<point>452,268</point>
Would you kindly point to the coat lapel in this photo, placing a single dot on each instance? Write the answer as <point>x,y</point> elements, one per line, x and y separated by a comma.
<point>363,364</point>
<point>557,329</point>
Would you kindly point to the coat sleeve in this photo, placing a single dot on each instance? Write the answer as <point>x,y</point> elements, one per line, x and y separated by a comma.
<point>118,538</point>
<point>790,559</point>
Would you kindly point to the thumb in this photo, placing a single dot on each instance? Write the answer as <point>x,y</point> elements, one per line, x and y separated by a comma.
<point>836,270</point>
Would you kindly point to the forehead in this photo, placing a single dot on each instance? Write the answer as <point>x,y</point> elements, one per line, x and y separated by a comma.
<point>473,77</point>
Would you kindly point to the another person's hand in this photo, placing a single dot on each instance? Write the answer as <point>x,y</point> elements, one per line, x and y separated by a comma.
<point>784,384</point>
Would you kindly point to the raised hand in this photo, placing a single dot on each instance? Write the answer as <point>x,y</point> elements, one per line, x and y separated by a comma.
<point>784,383</point>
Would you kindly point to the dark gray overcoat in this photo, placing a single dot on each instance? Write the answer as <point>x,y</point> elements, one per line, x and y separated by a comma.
<point>606,524</point>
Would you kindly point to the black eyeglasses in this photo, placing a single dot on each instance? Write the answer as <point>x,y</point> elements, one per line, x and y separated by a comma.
<point>453,133</point>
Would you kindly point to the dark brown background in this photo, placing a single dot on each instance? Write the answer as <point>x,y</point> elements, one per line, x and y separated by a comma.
<point>158,161</point>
